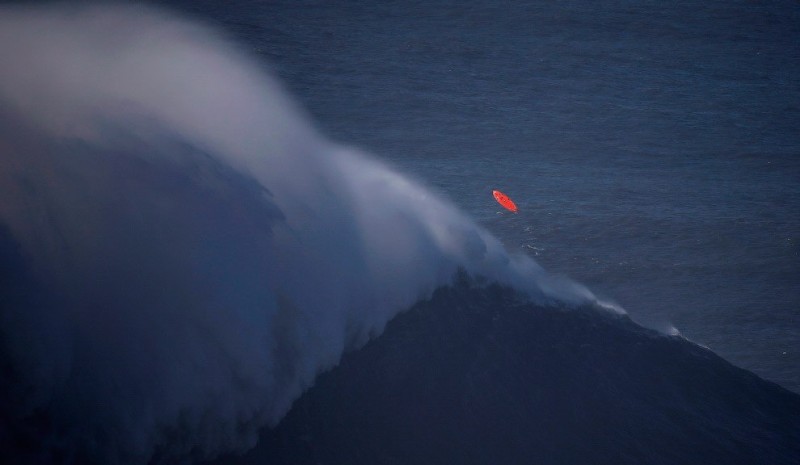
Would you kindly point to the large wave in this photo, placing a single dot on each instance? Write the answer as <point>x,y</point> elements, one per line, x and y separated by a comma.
<point>477,375</point>
<point>181,252</point>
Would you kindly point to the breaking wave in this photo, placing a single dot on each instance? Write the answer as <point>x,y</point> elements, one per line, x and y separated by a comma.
<point>181,252</point>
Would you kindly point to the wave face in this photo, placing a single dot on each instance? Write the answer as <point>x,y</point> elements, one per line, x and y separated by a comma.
<point>181,252</point>
<point>478,375</point>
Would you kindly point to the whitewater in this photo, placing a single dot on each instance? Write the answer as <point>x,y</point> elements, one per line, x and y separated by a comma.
<point>182,253</point>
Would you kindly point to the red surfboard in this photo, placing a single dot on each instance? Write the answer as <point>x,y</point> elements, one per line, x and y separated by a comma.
<point>503,200</point>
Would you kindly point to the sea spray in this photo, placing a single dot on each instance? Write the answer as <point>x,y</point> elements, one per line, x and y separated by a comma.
<point>183,253</point>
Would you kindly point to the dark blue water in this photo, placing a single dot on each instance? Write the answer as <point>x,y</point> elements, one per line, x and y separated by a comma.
<point>653,148</point>
<point>474,376</point>
<point>189,271</point>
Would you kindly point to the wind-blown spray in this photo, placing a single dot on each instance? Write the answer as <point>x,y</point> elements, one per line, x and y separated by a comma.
<point>181,252</point>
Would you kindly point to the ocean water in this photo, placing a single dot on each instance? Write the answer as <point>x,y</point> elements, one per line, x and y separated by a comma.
<point>653,148</point>
<point>201,260</point>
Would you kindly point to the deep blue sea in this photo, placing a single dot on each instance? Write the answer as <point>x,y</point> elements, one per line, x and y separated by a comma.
<point>264,232</point>
<point>653,147</point>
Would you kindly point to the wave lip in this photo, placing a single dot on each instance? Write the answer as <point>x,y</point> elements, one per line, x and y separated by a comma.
<point>183,253</point>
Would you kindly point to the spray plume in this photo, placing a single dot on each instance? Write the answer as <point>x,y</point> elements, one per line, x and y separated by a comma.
<point>181,252</point>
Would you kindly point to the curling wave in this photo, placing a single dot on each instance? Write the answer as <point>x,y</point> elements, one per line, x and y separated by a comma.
<point>181,252</point>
